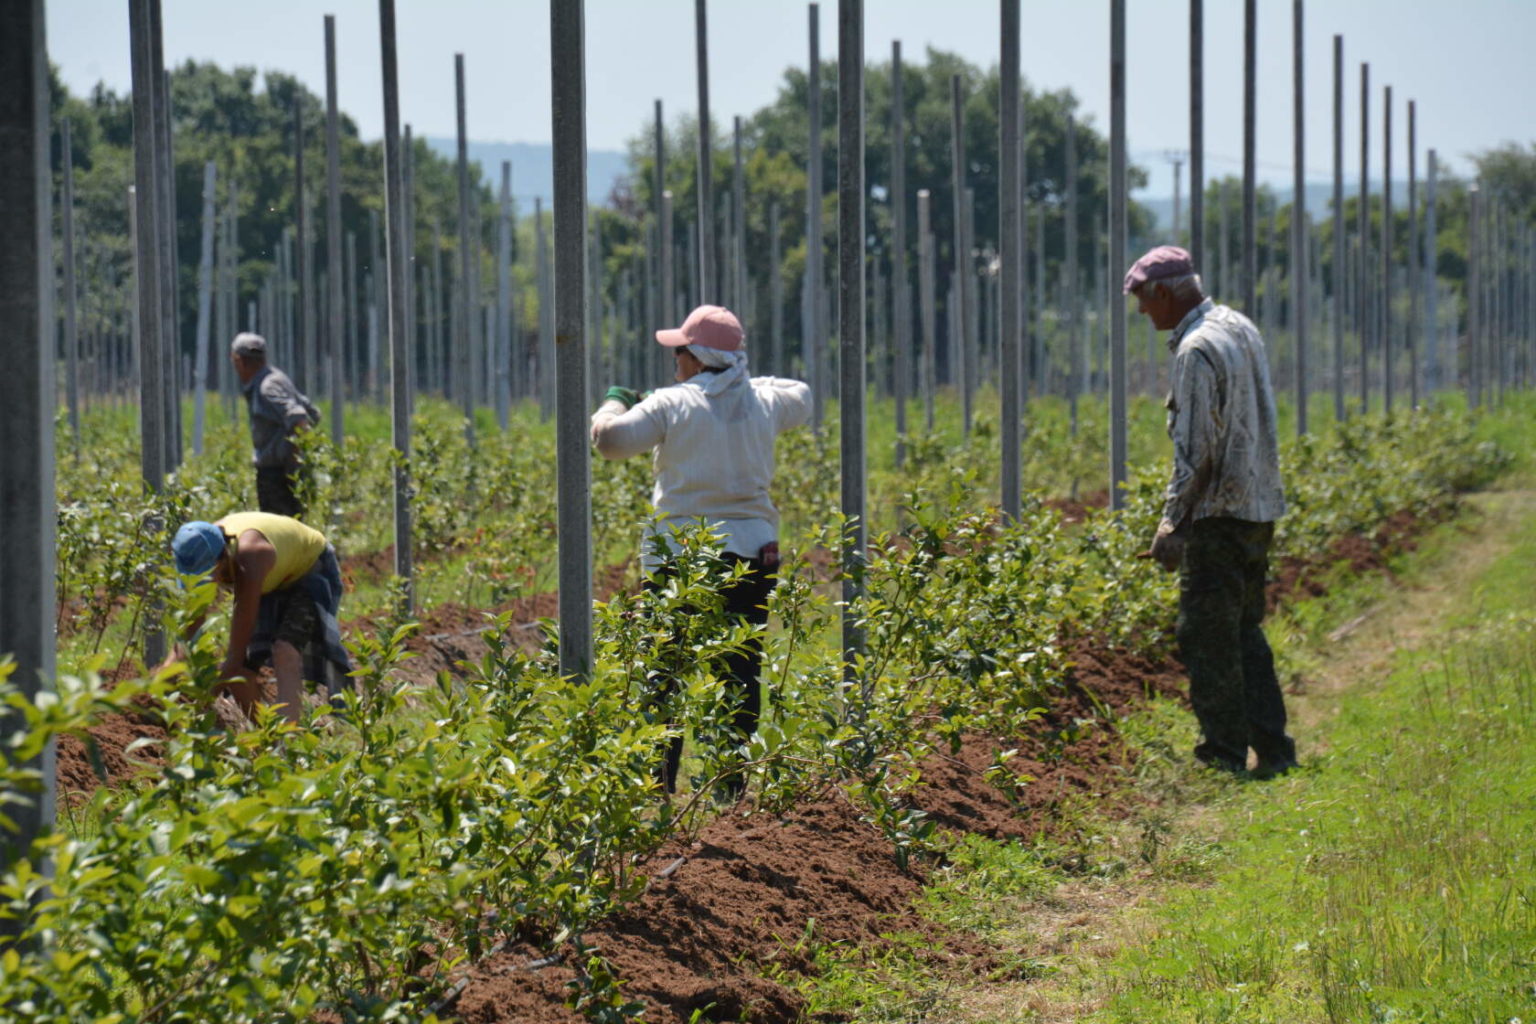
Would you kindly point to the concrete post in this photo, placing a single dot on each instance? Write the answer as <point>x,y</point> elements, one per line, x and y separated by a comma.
<point>501,349</point>
<point>815,341</point>
<point>850,275</point>
<point>1197,136</point>
<point>1431,259</point>
<point>776,361</point>
<point>27,501</point>
<point>71,321</point>
<point>1077,358</point>
<point>1117,231</point>
<point>1363,233</point>
<point>304,339</point>
<point>927,301</point>
<point>1250,172</point>
<point>462,387</point>
<point>399,328</point>
<point>1340,229</point>
<point>204,310</point>
<point>707,283</point>
<point>335,268</point>
<point>1011,251</point>
<point>1299,239</point>
<point>739,284</point>
<point>1388,342</point>
<point>1415,265</point>
<point>959,341</point>
<point>574,488</point>
<point>901,296</point>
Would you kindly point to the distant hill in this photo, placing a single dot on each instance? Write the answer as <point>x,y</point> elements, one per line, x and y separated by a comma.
<point>533,171</point>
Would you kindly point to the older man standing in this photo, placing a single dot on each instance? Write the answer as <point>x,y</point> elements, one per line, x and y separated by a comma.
<point>1219,512</point>
<point>278,411</point>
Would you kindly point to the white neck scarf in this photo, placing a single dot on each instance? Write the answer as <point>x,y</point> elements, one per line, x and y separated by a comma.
<point>724,368</point>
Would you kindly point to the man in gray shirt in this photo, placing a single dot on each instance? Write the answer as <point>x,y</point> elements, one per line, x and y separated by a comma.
<point>1219,512</point>
<point>278,410</point>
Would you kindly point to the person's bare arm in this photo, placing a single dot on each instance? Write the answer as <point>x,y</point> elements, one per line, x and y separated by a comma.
<point>255,558</point>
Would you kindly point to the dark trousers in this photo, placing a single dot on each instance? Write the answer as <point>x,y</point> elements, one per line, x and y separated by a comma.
<point>1232,683</point>
<point>275,491</point>
<point>746,600</point>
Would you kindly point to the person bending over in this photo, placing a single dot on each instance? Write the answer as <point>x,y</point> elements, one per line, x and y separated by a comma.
<point>287,591</point>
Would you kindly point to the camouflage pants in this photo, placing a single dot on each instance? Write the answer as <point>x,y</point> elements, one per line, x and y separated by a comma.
<point>1232,683</point>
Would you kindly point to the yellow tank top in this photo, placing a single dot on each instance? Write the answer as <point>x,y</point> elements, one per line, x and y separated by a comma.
<point>298,546</point>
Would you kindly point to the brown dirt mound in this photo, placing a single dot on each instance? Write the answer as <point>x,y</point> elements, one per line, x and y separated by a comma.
<point>707,935</point>
<point>702,939</point>
<point>1069,752</point>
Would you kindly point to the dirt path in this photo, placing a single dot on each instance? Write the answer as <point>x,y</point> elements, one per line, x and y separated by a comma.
<point>1083,924</point>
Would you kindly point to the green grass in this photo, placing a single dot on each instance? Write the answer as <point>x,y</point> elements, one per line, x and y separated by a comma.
<point>1395,878</point>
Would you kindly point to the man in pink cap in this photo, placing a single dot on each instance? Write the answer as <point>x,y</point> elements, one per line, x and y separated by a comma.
<point>711,436</point>
<point>1219,511</point>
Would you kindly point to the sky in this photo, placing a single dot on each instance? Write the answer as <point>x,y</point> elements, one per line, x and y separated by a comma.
<point>1467,65</point>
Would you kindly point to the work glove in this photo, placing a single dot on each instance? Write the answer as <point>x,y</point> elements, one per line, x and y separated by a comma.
<point>1167,548</point>
<point>628,397</point>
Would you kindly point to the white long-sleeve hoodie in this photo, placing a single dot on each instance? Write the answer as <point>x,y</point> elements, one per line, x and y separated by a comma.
<point>713,454</point>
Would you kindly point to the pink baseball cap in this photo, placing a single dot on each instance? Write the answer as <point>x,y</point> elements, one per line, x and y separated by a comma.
<point>710,326</point>
<point>1162,262</point>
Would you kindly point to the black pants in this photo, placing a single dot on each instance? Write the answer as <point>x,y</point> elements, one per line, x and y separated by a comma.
<point>275,491</point>
<point>746,600</point>
<point>1232,683</point>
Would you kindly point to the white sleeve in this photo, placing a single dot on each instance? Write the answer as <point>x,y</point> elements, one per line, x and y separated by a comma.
<point>789,399</point>
<point>618,434</point>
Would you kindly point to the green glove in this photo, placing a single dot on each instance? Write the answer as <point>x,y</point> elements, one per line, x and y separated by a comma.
<point>628,396</point>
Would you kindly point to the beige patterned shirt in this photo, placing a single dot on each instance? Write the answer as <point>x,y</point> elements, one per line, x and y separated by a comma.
<point>1221,419</point>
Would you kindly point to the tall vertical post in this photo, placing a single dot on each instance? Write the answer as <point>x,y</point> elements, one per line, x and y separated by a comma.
<point>413,325</point>
<point>664,226</point>
<point>1388,343</point>
<point>204,310</point>
<point>462,373</point>
<point>501,348</point>
<point>27,501</point>
<point>958,341</point>
<point>850,275</point>
<point>147,210</point>
<point>1250,171</point>
<point>1011,251</point>
<point>335,267</point>
<point>1197,135</point>
<point>304,340</point>
<point>815,341</point>
<point>170,323</point>
<point>1363,233</point>
<point>567,40</point>
<point>399,328</point>
<point>739,228</point>
<point>1474,295</point>
<point>1077,372</point>
<point>1431,285</point>
<point>1415,266</point>
<point>71,323</point>
<point>1117,229</point>
<point>1299,240</point>
<point>901,296</point>
<point>707,283</point>
<point>926,301</point>
<point>775,294</point>
<point>1340,229</point>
